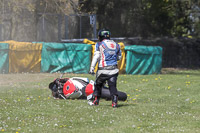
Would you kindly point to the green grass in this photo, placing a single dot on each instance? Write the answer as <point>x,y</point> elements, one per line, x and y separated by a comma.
<point>167,102</point>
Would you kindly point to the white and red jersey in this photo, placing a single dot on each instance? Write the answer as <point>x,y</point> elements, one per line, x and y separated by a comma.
<point>109,52</point>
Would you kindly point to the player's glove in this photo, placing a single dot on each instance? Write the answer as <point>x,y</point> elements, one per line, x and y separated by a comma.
<point>91,70</point>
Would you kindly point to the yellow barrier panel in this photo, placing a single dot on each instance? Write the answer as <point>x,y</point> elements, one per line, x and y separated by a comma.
<point>93,47</point>
<point>121,63</point>
<point>24,56</point>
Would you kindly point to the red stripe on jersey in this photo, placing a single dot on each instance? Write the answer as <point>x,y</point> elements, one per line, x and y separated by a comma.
<point>103,46</point>
<point>102,59</point>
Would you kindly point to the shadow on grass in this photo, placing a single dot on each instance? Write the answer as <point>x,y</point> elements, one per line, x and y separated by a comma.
<point>181,73</point>
<point>124,105</point>
<point>120,105</point>
<point>178,71</point>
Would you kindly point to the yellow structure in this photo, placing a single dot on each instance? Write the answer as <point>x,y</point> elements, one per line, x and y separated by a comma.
<point>121,64</point>
<point>24,56</point>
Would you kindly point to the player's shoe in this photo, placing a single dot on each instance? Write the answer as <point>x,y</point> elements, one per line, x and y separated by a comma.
<point>95,102</point>
<point>114,101</point>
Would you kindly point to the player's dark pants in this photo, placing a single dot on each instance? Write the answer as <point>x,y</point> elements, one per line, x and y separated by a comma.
<point>112,82</point>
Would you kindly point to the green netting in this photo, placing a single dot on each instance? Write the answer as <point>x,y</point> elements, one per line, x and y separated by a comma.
<point>4,58</point>
<point>143,59</point>
<point>65,57</point>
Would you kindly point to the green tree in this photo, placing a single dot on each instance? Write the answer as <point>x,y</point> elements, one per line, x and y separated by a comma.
<point>146,18</point>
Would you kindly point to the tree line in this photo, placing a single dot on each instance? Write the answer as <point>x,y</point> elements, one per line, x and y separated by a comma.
<point>125,18</point>
<point>146,18</point>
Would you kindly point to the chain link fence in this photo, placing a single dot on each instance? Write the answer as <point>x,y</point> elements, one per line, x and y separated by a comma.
<point>47,27</point>
<point>80,26</point>
<point>55,27</point>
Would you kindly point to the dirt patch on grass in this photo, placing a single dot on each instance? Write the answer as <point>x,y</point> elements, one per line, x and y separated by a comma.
<point>180,71</point>
<point>170,70</point>
<point>6,79</point>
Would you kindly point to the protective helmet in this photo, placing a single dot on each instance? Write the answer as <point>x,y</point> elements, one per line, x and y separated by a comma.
<point>104,34</point>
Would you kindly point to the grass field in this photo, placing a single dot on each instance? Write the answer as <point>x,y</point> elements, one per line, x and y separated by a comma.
<point>168,102</point>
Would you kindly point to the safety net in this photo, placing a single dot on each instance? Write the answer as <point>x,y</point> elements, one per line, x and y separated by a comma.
<point>4,57</point>
<point>143,59</point>
<point>66,57</point>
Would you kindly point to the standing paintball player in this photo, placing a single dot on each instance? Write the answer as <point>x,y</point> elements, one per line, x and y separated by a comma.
<point>107,53</point>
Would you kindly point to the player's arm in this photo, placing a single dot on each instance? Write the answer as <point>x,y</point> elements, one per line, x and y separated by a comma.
<point>95,58</point>
<point>119,53</point>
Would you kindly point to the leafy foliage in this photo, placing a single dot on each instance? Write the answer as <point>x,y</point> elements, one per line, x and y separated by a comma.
<point>146,18</point>
<point>128,18</point>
